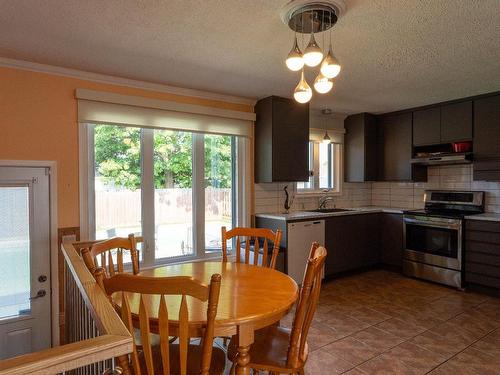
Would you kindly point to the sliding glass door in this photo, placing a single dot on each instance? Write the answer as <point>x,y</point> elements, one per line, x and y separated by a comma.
<point>174,188</point>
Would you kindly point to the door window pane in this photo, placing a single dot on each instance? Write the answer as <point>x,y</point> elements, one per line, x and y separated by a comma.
<point>15,250</point>
<point>173,183</point>
<point>117,155</point>
<point>218,188</point>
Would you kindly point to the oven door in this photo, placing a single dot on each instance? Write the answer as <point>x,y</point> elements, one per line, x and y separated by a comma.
<point>434,241</point>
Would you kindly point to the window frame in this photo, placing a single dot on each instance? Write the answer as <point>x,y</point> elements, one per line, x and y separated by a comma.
<point>338,172</point>
<point>240,192</point>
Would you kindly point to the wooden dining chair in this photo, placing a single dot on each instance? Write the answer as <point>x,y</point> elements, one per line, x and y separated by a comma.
<point>256,246</point>
<point>282,350</point>
<point>107,249</point>
<point>181,357</point>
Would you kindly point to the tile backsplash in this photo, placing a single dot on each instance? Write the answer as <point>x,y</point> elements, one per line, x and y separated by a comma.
<point>269,197</point>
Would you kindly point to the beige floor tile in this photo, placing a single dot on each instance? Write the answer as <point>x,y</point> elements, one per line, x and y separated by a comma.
<point>386,364</point>
<point>476,322</point>
<point>369,316</point>
<point>401,328</point>
<point>378,339</point>
<point>470,361</point>
<point>416,357</point>
<point>489,344</point>
<point>321,362</point>
<point>351,350</point>
<point>438,344</point>
<point>345,325</point>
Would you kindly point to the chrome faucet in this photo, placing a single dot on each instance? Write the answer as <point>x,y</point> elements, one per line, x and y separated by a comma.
<point>324,200</point>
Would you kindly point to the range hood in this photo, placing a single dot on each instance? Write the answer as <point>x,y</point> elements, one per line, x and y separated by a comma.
<point>444,159</point>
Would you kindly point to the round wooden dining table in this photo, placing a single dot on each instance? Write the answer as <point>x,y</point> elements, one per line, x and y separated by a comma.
<point>251,297</point>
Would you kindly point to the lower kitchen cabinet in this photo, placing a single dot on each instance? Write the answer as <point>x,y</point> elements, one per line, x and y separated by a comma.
<point>482,253</point>
<point>352,242</point>
<point>391,239</point>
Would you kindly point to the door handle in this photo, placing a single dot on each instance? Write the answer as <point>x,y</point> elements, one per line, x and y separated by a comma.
<point>40,294</point>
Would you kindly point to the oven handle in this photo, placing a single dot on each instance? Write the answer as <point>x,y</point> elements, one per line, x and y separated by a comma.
<point>432,223</point>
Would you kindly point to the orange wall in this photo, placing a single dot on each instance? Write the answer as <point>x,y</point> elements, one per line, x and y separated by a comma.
<point>38,121</point>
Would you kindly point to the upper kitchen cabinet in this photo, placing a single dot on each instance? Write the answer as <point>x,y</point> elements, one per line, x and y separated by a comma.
<point>281,140</point>
<point>456,122</point>
<point>360,148</point>
<point>395,147</point>
<point>487,138</point>
<point>427,126</point>
<point>443,124</point>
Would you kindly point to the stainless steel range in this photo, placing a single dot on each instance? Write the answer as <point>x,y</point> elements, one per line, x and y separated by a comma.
<point>433,237</point>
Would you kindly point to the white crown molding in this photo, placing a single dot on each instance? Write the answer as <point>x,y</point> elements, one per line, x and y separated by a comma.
<point>102,78</point>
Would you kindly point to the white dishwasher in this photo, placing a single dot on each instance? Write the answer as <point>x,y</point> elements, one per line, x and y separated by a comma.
<point>300,236</point>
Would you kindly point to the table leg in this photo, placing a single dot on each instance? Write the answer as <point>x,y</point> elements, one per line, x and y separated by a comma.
<point>245,340</point>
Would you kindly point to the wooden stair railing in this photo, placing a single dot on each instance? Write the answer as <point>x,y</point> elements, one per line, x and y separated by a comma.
<point>95,333</point>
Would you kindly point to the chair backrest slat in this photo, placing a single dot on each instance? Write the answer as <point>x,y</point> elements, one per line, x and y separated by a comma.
<point>127,320</point>
<point>164,287</point>
<point>146,343</point>
<point>164,341</point>
<point>183,335</point>
<point>119,261</point>
<point>306,305</point>
<point>106,249</point>
<point>256,237</point>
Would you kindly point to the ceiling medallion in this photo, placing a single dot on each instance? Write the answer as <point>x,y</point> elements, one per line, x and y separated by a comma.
<point>314,18</point>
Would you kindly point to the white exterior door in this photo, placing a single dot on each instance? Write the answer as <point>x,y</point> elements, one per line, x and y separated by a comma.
<point>25,292</point>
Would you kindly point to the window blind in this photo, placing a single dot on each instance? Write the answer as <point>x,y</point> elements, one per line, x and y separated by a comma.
<point>95,107</point>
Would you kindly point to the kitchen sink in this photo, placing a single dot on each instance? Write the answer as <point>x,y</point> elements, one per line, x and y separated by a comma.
<point>329,210</point>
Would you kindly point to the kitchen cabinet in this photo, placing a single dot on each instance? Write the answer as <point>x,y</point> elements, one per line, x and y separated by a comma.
<point>482,253</point>
<point>352,242</point>
<point>281,140</point>
<point>456,122</point>
<point>395,147</point>
<point>487,138</point>
<point>427,126</point>
<point>360,148</point>
<point>391,241</point>
<point>443,124</point>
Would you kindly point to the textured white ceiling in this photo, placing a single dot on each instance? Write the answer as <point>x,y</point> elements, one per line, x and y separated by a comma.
<point>395,53</point>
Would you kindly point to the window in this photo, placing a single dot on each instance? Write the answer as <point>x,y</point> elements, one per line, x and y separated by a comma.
<point>324,168</point>
<point>174,188</point>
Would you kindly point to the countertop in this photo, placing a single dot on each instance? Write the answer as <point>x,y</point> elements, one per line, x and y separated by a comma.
<point>305,215</point>
<point>488,216</point>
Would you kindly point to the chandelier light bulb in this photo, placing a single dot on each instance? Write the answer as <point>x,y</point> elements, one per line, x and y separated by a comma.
<point>313,54</point>
<point>295,60</point>
<point>322,84</point>
<point>330,67</point>
<point>303,92</point>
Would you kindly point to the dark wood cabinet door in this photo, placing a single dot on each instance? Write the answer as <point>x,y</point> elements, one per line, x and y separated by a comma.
<point>487,127</point>
<point>281,140</point>
<point>391,242</point>
<point>290,140</point>
<point>352,242</point>
<point>482,253</point>
<point>338,244</point>
<point>354,148</point>
<point>360,148</point>
<point>395,142</point>
<point>427,126</point>
<point>456,122</point>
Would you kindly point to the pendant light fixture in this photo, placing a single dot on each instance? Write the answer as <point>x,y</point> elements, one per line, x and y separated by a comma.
<point>295,60</point>
<point>330,66</point>
<point>313,17</point>
<point>313,54</point>
<point>322,84</point>
<point>303,92</point>
<point>326,139</point>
